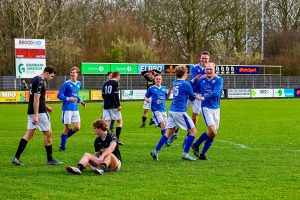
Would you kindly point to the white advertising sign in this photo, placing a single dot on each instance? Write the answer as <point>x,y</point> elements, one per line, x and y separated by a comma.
<point>29,68</point>
<point>133,94</point>
<point>22,43</point>
<point>238,93</point>
<point>261,93</point>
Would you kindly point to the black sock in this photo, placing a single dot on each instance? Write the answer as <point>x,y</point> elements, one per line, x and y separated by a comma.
<point>21,147</point>
<point>144,119</point>
<point>49,152</point>
<point>118,132</point>
<point>80,166</point>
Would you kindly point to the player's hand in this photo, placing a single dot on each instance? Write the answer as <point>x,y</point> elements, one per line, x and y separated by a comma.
<point>35,120</point>
<point>49,109</point>
<point>197,96</point>
<point>101,158</point>
<point>83,104</point>
<point>73,99</point>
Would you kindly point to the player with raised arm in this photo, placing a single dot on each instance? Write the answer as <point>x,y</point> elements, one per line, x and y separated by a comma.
<point>107,156</point>
<point>38,117</point>
<point>69,94</point>
<point>182,90</point>
<point>210,89</point>
<point>149,77</point>
<point>112,106</point>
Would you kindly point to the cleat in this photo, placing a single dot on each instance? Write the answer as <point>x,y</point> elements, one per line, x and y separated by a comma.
<point>54,162</point>
<point>73,170</point>
<point>151,122</point>
<point>154,155</point>
<point>168,144</point>
<point>62,149</point>
<point>203,157</point>
<point>196,150</point>
<point>17,162</point>
<point>97,170</point>
<point>112,130</point>
<point>143,126</point>
<point>121,143</point>
<point>186,156</point>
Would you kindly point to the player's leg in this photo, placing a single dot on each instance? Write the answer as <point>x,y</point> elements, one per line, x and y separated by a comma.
<point>48,147</point>
<point>114,163</point>
<point>117,115</point>
<point>87,159</point>
<point>66,120</point>
<point>111,126</point>
<point>144,118</point>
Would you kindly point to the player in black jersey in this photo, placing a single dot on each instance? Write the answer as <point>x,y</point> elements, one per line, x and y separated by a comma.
<point>107,156</point>
<point>38,116</point>
<point>149,77</point>
<point>112,106</point>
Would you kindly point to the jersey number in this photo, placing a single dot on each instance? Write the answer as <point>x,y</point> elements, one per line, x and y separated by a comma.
<point>108,89</point>
<point>175,90</point>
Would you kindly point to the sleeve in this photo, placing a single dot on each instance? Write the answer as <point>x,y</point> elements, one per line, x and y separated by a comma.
<point>61,93</point>
<point>103,94</point>
<point>148,93</point>
<point>116,94</point>
<point>217,89</point>
<point>197,86</point>
<point>79,100</point>
<point>190,92</point>
<point>144,73</point>
<point>96,146</point>
<point>157,71</point>
<point>193,72</point>
<point>37,86</point>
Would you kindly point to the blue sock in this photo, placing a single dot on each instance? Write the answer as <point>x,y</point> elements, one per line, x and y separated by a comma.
<point>63,141</point>
<point>70,133</point>
<point>161,142</point>
<point>201,139</point>
<point>188,143</point>
<point>163,132</point>
<point>111,126</point>
<point>207,145</point>
<point>184,141</point>
<point>176,130</point>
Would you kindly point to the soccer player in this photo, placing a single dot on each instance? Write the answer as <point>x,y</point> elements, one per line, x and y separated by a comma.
<point>182,90</point>
<point>69,94</point>
<point>112,106</point>
<point>111,126</point>
<point>210,88</point>
<point>149,77</point>
<point>107,156</point>
<point>38,116</point>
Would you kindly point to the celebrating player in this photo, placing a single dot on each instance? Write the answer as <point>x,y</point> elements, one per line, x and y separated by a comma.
<point>210,88</point>
<point>69,94</point>
<point>112,106</point>
<point>177,114</point>
<point>38,116</point>
<point>107,156</point>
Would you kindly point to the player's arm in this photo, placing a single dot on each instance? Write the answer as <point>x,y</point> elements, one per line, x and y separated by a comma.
<point>61,94</point>
<point>217,89</point>
<point>116,97</point>
<point>36,104</point>
<point>147,95</point>
<point>109,150</point>
<point>97,154</point>
<point>169,91</point>
<point>79,100</point>
<point>190,92</point>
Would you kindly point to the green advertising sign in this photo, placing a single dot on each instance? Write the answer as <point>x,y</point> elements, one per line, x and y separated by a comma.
<point>124,68</point>
<point>95,68</point>
<point>84,95</point>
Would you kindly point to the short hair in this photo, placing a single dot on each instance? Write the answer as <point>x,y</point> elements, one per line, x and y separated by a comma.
<point>151,72</point>
<point>50,70</point>
<point>108,73</point>
<point>180,70</point>
<point>205,53</point>
<point>75,68</point>
<point>101,124</point>
<point>115,74</point>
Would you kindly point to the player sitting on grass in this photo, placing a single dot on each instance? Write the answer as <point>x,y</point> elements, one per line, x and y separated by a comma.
<point>107,156</point>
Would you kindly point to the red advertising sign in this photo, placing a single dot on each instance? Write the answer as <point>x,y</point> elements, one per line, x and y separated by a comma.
<point>30,53</point>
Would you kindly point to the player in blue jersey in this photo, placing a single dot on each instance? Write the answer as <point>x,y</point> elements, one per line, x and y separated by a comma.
<point>69,94</point>
<point>210,89</point>
<point>182,91</point>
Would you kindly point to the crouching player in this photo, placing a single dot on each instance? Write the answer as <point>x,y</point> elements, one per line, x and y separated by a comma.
<point>210,88</point>
<point>107,156</point>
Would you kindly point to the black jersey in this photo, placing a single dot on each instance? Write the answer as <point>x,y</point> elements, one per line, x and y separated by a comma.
<point>150,82</point>
<point>110,94</point>
<point>100,145</point>
<point>37,86</point>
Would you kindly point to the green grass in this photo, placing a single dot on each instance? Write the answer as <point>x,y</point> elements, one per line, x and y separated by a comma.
<point>256,155</point>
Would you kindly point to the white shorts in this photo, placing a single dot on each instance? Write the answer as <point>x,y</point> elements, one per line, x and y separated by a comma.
<point>181,119</point>
<point>43,123</point>
<point>211,116</point>
<point>159,117</point>
<point>111,114</point>
<point>69,117</point>
<point>197,106</point>
<point>147,106</point>
<point>119,166</point>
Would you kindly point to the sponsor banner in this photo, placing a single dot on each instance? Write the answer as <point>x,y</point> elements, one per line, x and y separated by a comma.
<point>133,94</point>
<point>124,68</point>
<point>297,92</point>
<point>238,93</point>
<point>84,95</point>
<point>96,95</point>
<point>146,67</point>
<point>225,69</point>
<point>51,95</point>
<point>22,43</point>
<point>286,92</point>
<point>261,93</point>
<point>12,96</point>
<point>29,68</point>
<point>95,68</point>
<point>246,70</point>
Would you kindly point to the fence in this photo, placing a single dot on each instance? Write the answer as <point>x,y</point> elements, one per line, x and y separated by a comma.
<point>138,82</point>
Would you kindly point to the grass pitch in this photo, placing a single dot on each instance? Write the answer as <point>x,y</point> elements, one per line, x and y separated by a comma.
<point>256,155</point>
